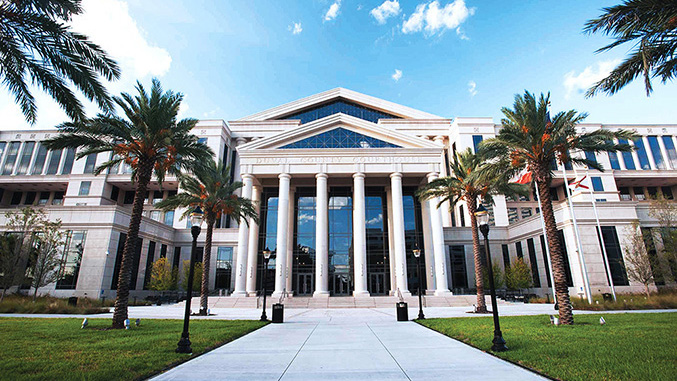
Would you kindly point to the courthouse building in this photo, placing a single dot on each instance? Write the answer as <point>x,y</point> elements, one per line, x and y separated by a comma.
<point>334,176</point>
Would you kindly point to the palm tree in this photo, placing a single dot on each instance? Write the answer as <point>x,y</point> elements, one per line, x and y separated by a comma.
<point>36,40</point>
<point>212,190</point>
<point>471,179</point>
<point>530,139</point>
<point>151,141</point>
<point>652,26</point>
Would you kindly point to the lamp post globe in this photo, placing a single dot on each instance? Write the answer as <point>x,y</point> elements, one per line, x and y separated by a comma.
<point>482,216</point>
<point>196,217</point>
<point>417,255</point>
<point>266,258</point>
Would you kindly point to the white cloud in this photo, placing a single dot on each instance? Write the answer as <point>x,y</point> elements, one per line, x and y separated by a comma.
<point>295,28</point>
<point>397,75</point>
<point>375,220</point>
<point>388,9</point>
<point>108,24</point>
<point>580,83</point>
<point>431,19</point>
<point>333,11</point>
<point>472,88</point>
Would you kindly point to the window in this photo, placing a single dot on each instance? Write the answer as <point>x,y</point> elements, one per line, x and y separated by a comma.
<point>628,160</point>
<point>177,257</point>
<point>84,188</point>
<point>597,184</point>
<point>54,159</point>
<point>68,161</point>
<point>667,193</point>
<point>613,158</point>
<point>2,149</point>
<point>526,212</point>
<point>553,194</point>
<point>40,159</point>
<point>340,138</point>
<point>518,247</point>
<point>534,265</point>
<point>512,215</point>
<point>163,251</point>
<point>71,259</point>
<point>544,253</point>
<point>459,276</point>
<point>565,257</point>
<point>625,193</point>
<point>25,161</point>
<point>461,214</point>
<point>156,215</point>
<point>340,106</point>
<point>639,193</point>
<point>44,198</point>
<point>10,160</point>
<point>476,140</point>
<point>653,192</point>
<point>656,151</point>
<point>641,154</point>
<point>58,198</point>
<point>506,257</point>
<point>647,237</point>
<point>169,218</point>
<point>590,156</point>
<point>16,198</point>
<point>129,197</point>
<point>30,198</point>
<point>670,148</point>
<point>149,264</point>
<point>224,267</point>
<point>157,197</point>
<point>114,193</point>
<point>90,163</point>
<point>614,255</point>
<point>202,140</point>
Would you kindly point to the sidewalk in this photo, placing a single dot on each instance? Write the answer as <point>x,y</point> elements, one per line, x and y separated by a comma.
<point>341,345</point>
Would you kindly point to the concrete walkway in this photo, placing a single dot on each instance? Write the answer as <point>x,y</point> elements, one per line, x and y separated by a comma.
<point>338,344</point>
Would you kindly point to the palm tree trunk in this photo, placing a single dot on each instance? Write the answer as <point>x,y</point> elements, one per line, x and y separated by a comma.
<point>559,273</point>
<point>479,267</point>
<point>124,278</point>
<point>206,260</point>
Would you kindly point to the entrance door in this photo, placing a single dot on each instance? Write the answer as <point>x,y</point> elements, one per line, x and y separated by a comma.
<point>305,283</point>
<point>377,283</point>
<point>340,285</point>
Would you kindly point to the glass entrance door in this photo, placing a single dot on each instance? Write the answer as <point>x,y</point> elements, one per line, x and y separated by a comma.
<point>340,285</point>
<point>377,283</point>
<point>305,284</point>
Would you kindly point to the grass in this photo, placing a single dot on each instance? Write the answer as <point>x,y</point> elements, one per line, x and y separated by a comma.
<point>628,347</point>
<point>57,349</point>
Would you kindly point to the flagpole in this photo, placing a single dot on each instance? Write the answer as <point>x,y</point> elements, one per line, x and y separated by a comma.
<point>547,246</point>
<point>579,248</point>
<point>601,238</point>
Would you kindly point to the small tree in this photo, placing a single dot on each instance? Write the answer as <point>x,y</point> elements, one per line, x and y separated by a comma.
<point>197,276</point>
<point>665,211</point>
<point>8,261</point>
<point>48,243</point>
<point>639,266</point>
<point>518,275</point>
<point>163,276</point>
<point>498,276</point>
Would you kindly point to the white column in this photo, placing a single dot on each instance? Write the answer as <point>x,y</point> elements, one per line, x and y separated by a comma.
<point>282,234</point>
<point>322,237</point>
<point>290,240</point>
<point>359,236</point>
<point>398,234</point>
<point>442,285</point>
<point>621,160</point>
<point>243,242</point>
<point>252,254</point>
<point>446,213</point>
<point>635,157</point>
<point>391,244</point>
<point>428,251</point>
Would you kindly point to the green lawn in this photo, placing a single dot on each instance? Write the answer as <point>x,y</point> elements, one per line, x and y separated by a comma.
<point>627,347</point>
<point>57,349</point>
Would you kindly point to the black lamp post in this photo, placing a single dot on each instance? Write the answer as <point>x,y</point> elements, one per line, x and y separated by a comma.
<point>483,221</point>
<point>195,221</point>
<point>266,258</point>
<point>417,254</point>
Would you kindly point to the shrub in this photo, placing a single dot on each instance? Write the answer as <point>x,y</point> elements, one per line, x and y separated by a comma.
<point>163,276</point>
<point>197,276</point>
<point>518,275</point>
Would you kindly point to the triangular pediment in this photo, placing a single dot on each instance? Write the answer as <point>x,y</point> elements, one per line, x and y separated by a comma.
<point>339,131</point>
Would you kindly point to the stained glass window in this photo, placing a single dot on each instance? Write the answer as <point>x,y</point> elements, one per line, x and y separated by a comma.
<point>339,106</point>
<point>340,138</point>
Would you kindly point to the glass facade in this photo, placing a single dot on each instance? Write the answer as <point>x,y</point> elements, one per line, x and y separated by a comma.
<point>413,236</point>
<point>378,264</point>
<point>25,160</point>
<point>267,238</point>
<point>224,267</point>
<point>71,259</point>
<point>656,152</point>
<point>40,159</point>
<point>641,154</point>
<point>303,266</point>
<point>10,159</point>
<point>68,161</point>
<point>340,241</point>
<point>614,255</point>
<point>670,148</point>
<point>54,159</point>
<point>627,156</point>
<point>340,106</point>
<point>340,138</point>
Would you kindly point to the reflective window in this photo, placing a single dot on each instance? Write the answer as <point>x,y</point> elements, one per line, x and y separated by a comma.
<point>84,188</point>
<point>670,148</point>
<point>518,247</point>
<point>590,156</point>
<point>641,154</point>
<point>340,241</point>
<point>53,165</point>
<point>70,262</point>
<point>340,106</point>
<point>267,237</point>
<point>413,236</point>
<point>340,138</point>
<point>40,159</point>
<point>150,257</point>
<point>476,140</point>
<point>378,265</point>
<point>68,162</point>
<point>90,163</point>
<point>597,184</point>
<point>614,255</point>
<point>224,267</point>
<point>627,156</point>
<point>3,145</point>
<point>656,152</point>
<point>44,198</point>
<point>512,215</point>
<point>303,265</point>
<point>639,193</point>
<point>169,218</point>
<point>459,276</point>
<point>25,161</point>
<point>613,159</point>
<point>58,198</point>
<point>10,160</point>
<point>534,264</point>
<point>544,253</point>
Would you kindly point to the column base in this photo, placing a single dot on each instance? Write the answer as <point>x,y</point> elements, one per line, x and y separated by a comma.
<point>429,292</point>
<point>251,293</point>
<point>276,294</point>
<point>321,294</point>
<point>443,293</point>
<point>238,294</point>
<point>361,294</point>
<point>404,293</point>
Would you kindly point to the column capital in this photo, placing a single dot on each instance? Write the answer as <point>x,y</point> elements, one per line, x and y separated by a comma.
<point>247,176</point>
<point>439,139</point>
<point>358,174</point>
<point>396,174</point>
<point>321,175</point>
<point>432,176</point>
<point>240,141</point>
<point>284,176</point>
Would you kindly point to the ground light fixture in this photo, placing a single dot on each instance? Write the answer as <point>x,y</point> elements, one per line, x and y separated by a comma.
<point>417,255</point>
<point>482,216</point>
<point>266,258</point>
<point>196,217</point>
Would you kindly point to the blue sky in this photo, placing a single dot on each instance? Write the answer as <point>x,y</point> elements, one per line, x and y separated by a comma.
<point>235,58</point>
